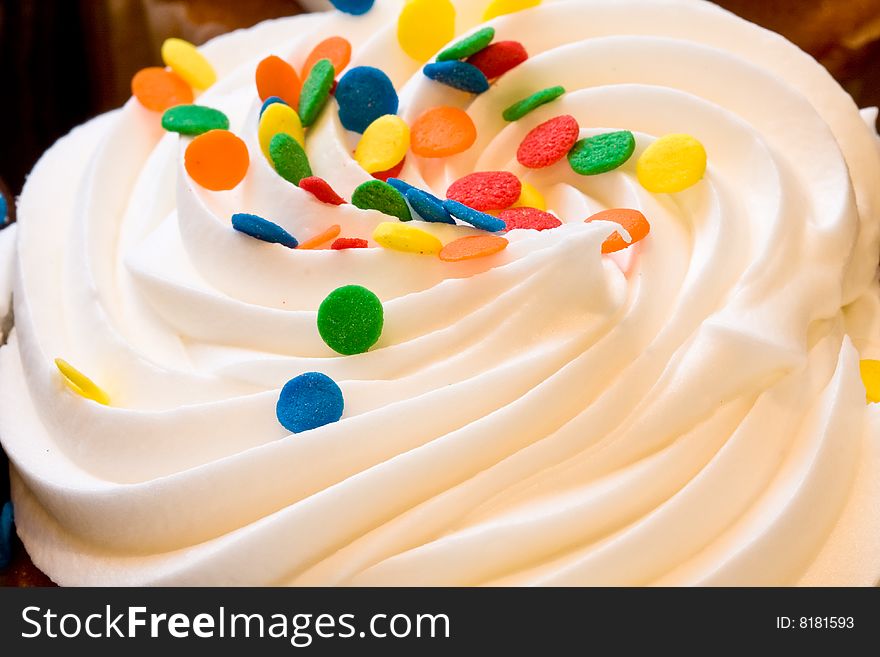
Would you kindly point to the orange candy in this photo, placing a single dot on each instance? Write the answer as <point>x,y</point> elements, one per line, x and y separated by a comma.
<point>336,49</point>
<point>633,221</point>
<point>217,160</point>
<point>322,238</point>
<point>470,248</point>
<point>159,89</point>
<point>442,131</point>
<point>275,77</point>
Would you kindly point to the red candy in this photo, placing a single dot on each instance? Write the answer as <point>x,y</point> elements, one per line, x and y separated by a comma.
<point>486,191</point>
<point>393,172</point>
<point>549,142</point>
<point>497,59</point>
<point>344,243</point>
<point>321,190</point>
<point>529,219</point>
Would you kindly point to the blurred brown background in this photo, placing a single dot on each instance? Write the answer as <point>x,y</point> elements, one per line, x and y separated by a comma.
<point>64,61</point>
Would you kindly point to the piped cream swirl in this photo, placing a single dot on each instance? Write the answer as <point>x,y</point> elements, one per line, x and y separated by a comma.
<point>687,413</point>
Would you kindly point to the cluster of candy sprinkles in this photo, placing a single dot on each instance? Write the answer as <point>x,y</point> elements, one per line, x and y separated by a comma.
<point>351,319</point>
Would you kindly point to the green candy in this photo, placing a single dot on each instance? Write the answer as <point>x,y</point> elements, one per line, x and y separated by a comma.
<point>316,91</point>
<point>518,110</point>
<point>289,158</point>
<point>350,320</point>
<point>468,46</point>
<point>194,120</point>
<point>602,153</point>
<point>378,195</point>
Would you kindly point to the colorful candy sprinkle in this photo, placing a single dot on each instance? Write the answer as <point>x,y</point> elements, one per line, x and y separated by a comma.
<point>424,26</point>
<point>672,164</point>
<point>428,207</point>
<point>499,58</point>
<point>527,105</point>
<point>345,243</point>
<point>194,120</point>
<point>271,100</point>
<point>4,208</point>
<point>602,153</point>
<point>870,371</point>
<point>263,229</point>
<point>378,195</point>
<point>350,320</point>
<point>548,143</point>
<point>184,59</point>
<point>458,75</point>
<point>406,238</point>
<point>384,144</point>
<point>530,198</point>
<point>364,94</point>
<point>321,238</point>
<point>6,523</point>
<point>275,77</point>
<point>321,190</point>
<point>217,160</point>
<point>473,217</point>
<point>316,91</point>
<point>529,219</point>
<point>486,190</point>
<point>289,158</point>
<point>501,7</point>
<point>443,132</point>
<point>470,45</point>
<point>393,172</point>
<point>473,247</point>
<point>279,118</point>
<point>353,7</point>
<point>81,384</point>
<point>336,49</point>
<point>158,89</point>
<point>309,401</point>
<point>633,221</point>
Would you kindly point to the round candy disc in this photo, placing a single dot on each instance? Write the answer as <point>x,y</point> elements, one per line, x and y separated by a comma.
<point>602,153</point>
<point>350,320</point>
<point>672,164</point>
<point>309,401</point>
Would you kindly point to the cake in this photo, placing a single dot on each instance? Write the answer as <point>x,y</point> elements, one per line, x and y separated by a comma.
<point>611,321</point>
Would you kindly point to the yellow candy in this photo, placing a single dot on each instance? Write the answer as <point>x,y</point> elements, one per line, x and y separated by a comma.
<point>384,144</point>
<point>184,59</point>
<point>80,383</point>
<point>871,378</point>
<point>672,164</point>
<point>531,198</point>
<point>500,7</point>
<point>425,26</point>
<point>400,237</point>
<point>277,118</point>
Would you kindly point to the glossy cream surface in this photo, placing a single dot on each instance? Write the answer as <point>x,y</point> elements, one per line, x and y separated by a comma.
<point>688,412</point>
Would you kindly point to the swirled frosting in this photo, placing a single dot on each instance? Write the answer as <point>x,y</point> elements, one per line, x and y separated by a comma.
<point>688,413</point>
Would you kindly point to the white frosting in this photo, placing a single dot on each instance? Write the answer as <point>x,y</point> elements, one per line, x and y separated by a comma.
<point>688,413</point>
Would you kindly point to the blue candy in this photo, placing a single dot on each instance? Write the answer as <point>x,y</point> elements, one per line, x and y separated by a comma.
<point>428,207</point>
<point>473,217</point>
<point>353,7</point>
<point>400,185</point>
<point>271,100</point>
<point>458,75</point>
<point>364,94</point>
<point>6,535</point>
<point>262,229</point>
<point>4,209</point>
<point>309,401</point>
